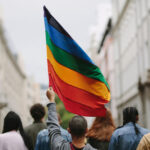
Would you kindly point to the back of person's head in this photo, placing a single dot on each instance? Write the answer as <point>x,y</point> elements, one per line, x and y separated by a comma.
<point>37,112</point>
<point>12,122</point>
<point>102,127</point>
<point>78,126</point>
<point>130,114</point>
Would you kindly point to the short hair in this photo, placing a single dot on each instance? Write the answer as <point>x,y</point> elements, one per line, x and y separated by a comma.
<point>78,126</point>
<point>37,112</point>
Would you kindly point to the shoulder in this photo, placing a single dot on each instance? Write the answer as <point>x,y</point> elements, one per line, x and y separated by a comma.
<point>10,133</point>
<point>43,132</point>
<point>118,131</point>
<point>65,134</point>
<point>143,130</point>
<point>92,141</point>
<point>10,136</point>
<point>146,137</point>
<point>63,130</point>
<point>35,126</point>
<point>88,147</point>
<point>145,142</point>
<point>29,127</point>
<point>2,136</point>
<point>97,143</point>
<point>41,124</point>
<point>127,129</point>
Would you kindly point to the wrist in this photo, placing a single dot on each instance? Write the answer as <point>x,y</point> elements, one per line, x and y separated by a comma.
<point>52,100</point>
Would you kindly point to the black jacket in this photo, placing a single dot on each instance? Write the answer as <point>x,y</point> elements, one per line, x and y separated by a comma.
<point>100,145</point>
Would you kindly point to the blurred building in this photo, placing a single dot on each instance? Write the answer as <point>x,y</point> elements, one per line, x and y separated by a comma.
<point>96,31</point>
<point>102,53</point>
<point>12,81</point>
<point>104,60</point>
<point>106,64</point>
<point>17,91</point>
<point>131,49</point>
<point>123,56</point>
<point>44,99</point>
<point>32,96</point>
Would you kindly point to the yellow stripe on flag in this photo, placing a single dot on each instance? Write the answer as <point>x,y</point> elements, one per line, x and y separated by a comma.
<point>78,80</point>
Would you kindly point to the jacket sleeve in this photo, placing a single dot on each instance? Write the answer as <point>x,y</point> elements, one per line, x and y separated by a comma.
<point>56,140</point>
<point>113,143</point>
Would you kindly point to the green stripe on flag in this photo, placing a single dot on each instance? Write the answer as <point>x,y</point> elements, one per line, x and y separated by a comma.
<point>75,63</point>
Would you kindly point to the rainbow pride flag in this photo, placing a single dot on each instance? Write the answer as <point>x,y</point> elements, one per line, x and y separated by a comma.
<point>77,81</point>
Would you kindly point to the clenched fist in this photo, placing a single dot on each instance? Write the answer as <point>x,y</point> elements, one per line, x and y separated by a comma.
<point>50,94</point>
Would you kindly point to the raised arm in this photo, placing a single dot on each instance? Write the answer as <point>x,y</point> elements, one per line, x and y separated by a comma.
<point>56,140</point>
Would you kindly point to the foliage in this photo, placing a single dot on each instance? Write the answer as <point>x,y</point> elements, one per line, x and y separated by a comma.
<point>65,115</point>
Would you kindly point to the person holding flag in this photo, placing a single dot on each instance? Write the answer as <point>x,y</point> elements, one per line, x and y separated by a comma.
<point>77,129</point>
<point>76,80</point>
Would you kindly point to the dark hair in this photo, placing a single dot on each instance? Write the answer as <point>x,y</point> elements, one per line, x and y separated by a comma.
<point>12,121</point>
<point>102,128</point>
<point>37,112</point>
<point>78,126</point>
<point>130,115</point>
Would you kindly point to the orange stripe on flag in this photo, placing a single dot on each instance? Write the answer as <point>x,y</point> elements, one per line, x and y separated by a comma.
<point>78,80</point>
<point>76,94</point>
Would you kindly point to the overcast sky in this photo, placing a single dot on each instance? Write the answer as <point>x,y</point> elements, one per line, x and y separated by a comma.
<point>24,26</point>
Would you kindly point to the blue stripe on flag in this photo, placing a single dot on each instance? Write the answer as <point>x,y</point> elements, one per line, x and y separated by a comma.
<point>65,43</point>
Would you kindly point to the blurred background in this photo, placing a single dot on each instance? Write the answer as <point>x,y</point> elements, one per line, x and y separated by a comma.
<point>114,33</point>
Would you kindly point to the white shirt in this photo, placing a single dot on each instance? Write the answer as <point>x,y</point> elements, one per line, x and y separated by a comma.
<point>11,141</point>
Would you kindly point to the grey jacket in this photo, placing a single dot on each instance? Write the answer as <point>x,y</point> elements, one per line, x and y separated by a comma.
<point>56,140</point>
<point>32,131</point>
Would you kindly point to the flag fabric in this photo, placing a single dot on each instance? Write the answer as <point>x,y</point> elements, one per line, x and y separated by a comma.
<point>77,81</point>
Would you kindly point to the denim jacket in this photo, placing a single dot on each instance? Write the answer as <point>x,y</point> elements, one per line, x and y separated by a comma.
<point>43,142</point>
<point>125,138</point>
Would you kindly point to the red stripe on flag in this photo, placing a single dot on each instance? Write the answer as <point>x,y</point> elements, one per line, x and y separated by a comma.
<point>76,94</point>
<point>70,105</point>
<point>77,108</point>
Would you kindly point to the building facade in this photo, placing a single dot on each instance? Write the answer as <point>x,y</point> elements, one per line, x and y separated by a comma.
<point>102,52</point>
<point>32,96</point>
<point>106,64</point>
<point>17,91</point>
<point>43,89</point>
<point>131,53</point>
<point>12,81</point>
<point>123,57</point>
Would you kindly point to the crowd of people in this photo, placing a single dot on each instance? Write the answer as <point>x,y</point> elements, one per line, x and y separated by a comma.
<point>102,135</point>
